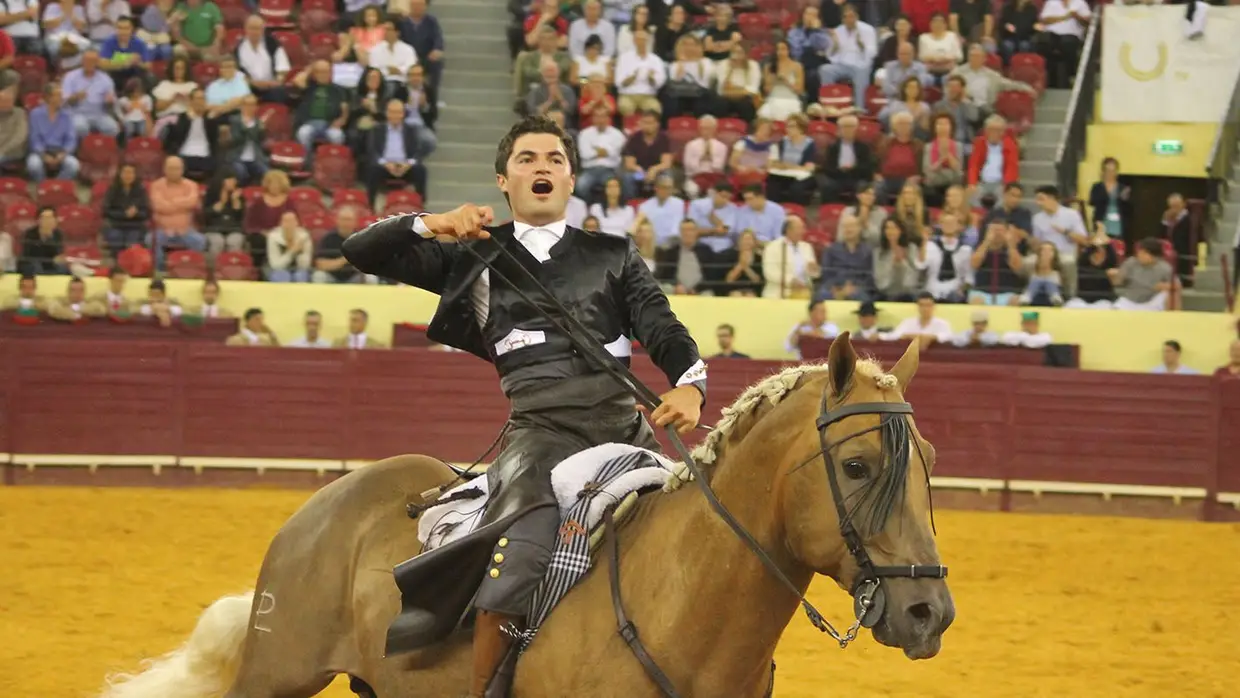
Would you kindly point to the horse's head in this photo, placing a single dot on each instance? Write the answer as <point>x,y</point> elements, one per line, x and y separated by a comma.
<point>877,471</point>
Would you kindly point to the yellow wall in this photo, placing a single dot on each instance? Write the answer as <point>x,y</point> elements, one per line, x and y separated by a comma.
<point>1117,341</point>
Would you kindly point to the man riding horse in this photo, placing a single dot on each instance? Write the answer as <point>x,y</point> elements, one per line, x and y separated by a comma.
<point>560,403</point>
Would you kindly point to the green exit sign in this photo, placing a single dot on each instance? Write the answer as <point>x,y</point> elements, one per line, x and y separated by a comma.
<point>1168,147</point>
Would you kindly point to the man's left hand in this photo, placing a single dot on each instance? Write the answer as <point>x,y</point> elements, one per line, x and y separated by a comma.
<point>681,408</point>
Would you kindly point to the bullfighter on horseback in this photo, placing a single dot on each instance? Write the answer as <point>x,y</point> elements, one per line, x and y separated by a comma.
<point>560,403</point>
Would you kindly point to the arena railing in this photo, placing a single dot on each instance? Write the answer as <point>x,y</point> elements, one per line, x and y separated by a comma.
<point>1219,166</point>
<point>1071,148</point>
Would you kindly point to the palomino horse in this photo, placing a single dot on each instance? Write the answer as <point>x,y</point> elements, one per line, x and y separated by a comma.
<point>710,614</point>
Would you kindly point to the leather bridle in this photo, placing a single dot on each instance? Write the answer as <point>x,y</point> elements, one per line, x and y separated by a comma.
<point>869,600</point>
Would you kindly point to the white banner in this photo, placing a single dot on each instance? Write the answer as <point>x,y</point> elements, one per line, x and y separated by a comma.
<point>1153,71</point>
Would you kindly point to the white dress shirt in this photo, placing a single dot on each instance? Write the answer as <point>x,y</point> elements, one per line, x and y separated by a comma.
<point>258,64</point>
<point>828,330</point>
<point>912,327</point>
<point>856,47</point>
<point>580,30</point>
<point>611,140</point>
<point>399,56</point>
<point>1024,339</point>
<point>643,67</point>
<point>1060,8</point>
<point>307,343</point>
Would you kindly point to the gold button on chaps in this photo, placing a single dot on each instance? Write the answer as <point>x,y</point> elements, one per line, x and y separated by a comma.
<point>503,542</point>
<point>499,557</point>
<point>494,573</point>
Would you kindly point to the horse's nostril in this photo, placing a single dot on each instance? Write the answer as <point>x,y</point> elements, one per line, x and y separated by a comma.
<point>921,612</point>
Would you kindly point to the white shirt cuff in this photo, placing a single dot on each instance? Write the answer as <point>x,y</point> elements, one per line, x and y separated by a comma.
<point>695,374</point>
<point>420,228</point>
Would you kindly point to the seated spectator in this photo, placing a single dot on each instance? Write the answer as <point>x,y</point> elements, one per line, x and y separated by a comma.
<point>994,161</point>
<point>599,147</point>
<point>64,32</point>
<point>548,18</point>
<point>1017,27</point>
<point>673,28</point>
<point>1011,211</point>
<point>210,307</point>
<point>868,213</point>
<point>1045,283</point>
<point>1177,227</point>
<point>590,224</point>
<point>90,96</point>
<point>847,265</point>
<point>897,274</point>
<point>263,61</point>
<point>646,155</point>
<point>639,76</point>
<point>639,22</point>
<point>1171,352</point>
<point>526,69</point>
<point>664,211</point>
<point>43,246</point>
<point>899,71</point>
<point>788,264</point>
<point>199,26</point>
<point>323,111</point>
<point>722,35</point>
<point>924,325</point>
<point>705,158</point>
<point>682,266</point>
<point>909,102</point>
<point>999,268</point>
<point>594,96</point>
<point>846,165</point>
<point>1232,368</point>
<point>126,211</point>
<point>101,18</point>
<point>715,217</point>
<point>809,42</point>
<point>690,77</point>
<point>174,202</point>
<point>1063,226</point>
<point>74,306</point>
<point>368,107</point>
<point>366,33</point>
<point>254,332</point>
<point>615,217</point>
<point>943,159</point>
<point>783,84</point>
<point>53,139</point>
<point>725,334</point>
<point>592,24</point>
<point>1063,24</point>
<point>979,335</point>
<point>947,261</point>
<point>1143,281</point>
<point>973,21</point>
<point>123,55</point>
<point>192,137</point>
<point>910,210</point>
<point>985,83</point>
<point>14,129</point>
<point>954,202</point>
<point>1093,288</point>
<point>392,56</point>
<point>752,155</point>
<point>155,29</point>
<point>135,110</point>
<point>173,92</point>
<point>899,155</point>
<point>330,266</point>
<point>889,50</point>
<point>1030,335</point>
<point>592,63</point>
<point>225,93</point>
<point>290,251</point>
<point>113,298</point>
<point>224,213</point>
<point>159,306</point>
<point>965,114</point>
<point>313,323</point>
<point>421,110</point>
<point>22,26</point>
<point>744,267</point>
<point>245,151</point>
<point>852,54</point>
<point>643,240</point>
<point>738,81</point>
<point>1111,202</point>
<point>791,173</point>
<point>394,150</point>
<point>357,338</point>
<point>939,48</point>
<point>814,325</point>
<point>765,218</point>
<point>28,298</point>
<point>8,261</point>
<point>551,93</point>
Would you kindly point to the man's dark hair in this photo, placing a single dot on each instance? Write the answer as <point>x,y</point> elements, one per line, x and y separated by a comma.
<point>925,295</point>
<point>1015,185</point>
<point>28,277</point>
<point>313,313</point>
<point>157,285</point>
<point>125,18</point>
<point>753,189</point>
<point>723,187</point>
<point>45,209</point>
<point>725,326</point>
<point>75,280</point>
<point>365,315</point>
<point>525,127</point>
<point>252,313</point>
<point>116,271</point>
<point>1153,246</point>
<point>813,304</point>
<point>1173,344</point>
<point>1049,189</point>
<point>211,282</point>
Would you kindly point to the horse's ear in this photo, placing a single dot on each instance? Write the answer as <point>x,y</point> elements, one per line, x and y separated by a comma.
<point>841,362</point>
<point>907,365</point>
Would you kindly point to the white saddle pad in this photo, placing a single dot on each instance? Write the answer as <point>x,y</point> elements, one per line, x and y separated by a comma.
<point>444,523</point>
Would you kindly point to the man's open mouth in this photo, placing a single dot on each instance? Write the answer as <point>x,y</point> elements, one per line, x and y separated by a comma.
<point>543,186</point>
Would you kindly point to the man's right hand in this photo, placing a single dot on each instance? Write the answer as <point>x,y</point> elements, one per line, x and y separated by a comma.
<point>465,222</point>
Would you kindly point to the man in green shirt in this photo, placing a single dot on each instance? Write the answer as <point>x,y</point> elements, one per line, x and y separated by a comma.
<point>199,27</point>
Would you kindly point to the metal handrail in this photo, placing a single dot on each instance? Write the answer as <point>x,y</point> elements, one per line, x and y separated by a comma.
<point>1068,152</point>
<point>1218,165</point>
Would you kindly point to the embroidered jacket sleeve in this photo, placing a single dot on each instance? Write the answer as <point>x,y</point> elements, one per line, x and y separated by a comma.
<point>655,325</point>
<point>397,248</point>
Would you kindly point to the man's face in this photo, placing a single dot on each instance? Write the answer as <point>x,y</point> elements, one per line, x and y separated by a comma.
<point>593,11</point>
<point>26,288</point>
<point>1235,352</point>
<point>228,69</point>
<point>210,294</point>
<point>977,57</point>
<point>6,99</point>
<point>547,42</point>
<point>55,97</point>
<point>867,321</point>
<point>707,128</point>
<point>1171,357</point>
<point>346,221</point>
<point>550,72</point>
<point>925,308</point>
<point>1045,202</point>
<point>124,30</point>
<point>77,291</point>
<point>1029,326</point>
<point>1144,258</point>
<point>902,128</point>
<point>848,129</point>
<point>850,18</point>
<point>417,8</point>
<point>173,169</point>
<point>722,198</point>
<point>851,229</point>
<point>662,189</point>
<point>688,233</point>
<point>650,124</point>
<point>155,295</point>
<point>1175,202</point>
<point>1011,197</point>
<point>198,101</point>
<point>390,34</point>
<point>955,91</point>
<point>357,322</point>
<point>755,200</point>
<point>600,119</point>
<point>724,337</point>
<point>322,72</point>
<point>395,113</point>
<point>980,326</point>
<point>90,61</point>
<point>313,323</point>
<point>47,222</point>
<point>994,132</point>
<point>417,77</point>
<point>904,53</point>
<point>794,229</point>
<point>255,323</point>
<point>117,282</point>
<point>254,29</point>
<point>641,40</point>
<point>539,179</point>
<point>818,314</point>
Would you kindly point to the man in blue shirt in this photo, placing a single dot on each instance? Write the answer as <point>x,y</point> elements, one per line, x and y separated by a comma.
<point>90,95</point>
<point>53,139</point>
<point>123,55</point>
<point>664,211</point>
<point>715,215</point>
<point>423,33</point>
<point>764,218</point>
<point>394,147</point>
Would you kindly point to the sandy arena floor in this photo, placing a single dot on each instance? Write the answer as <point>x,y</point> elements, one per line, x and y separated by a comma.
<point>93,580</point>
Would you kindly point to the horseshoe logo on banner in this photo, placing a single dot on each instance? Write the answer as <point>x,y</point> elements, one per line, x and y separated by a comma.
<point>1160,67</point>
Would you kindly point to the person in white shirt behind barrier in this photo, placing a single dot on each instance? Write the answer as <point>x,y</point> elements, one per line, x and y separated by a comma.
<point>1171,351</point>
<point>1030,335</point>
<point>816,325</point>
<point>924,324</point>
<point>980,335</point>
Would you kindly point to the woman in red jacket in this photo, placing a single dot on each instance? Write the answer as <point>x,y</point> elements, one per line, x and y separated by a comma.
<point>994,162</point>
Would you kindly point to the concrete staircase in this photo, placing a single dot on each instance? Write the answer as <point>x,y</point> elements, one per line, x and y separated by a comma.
<point>477,89</point>
<point>1037,163</point>
<point>1208,292</point>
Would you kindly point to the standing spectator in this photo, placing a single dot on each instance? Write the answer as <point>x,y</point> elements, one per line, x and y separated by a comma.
<point>752,155</point>
<point>43,246</point>
<point>392,56</point>
<point>313,323</point>
<point>123,55</point>
<point>615,217</point>
<point>599,147</point>
<point>1017,27</point>
<point>963,111</point>
<point>192,137</point>
<point>896,273</point>
<point>289,251</point>
<point>810,43</point>
<point>1059,37</point>
<point>263,60</point>
<point>899,155</point>
<point>126,211</point>
<point>783,84</point>
<point>592,63</point>
<point>705,158</point>
<point>64,30</point>
<point>854,46</point>
<point>847,265</point>
<point>639,22</point>
<point>815,325</point>
<point>791,175</point>
<point>90,96</point>
<point>905,66</point>
<point>973,21</point>
<point>689,80</point>
<point>1177,227</point>
<point>673,29</point>
<point>1111,202</point>
<point>639,75</point>
<point>19,19</point>
<point>225,93</point>
<point>1144,281</point>
<point>765,218</point>
<point>1232,368</point>
<point>788,264</point>
<point>1171,352</point>
<point>526,69</point>
<point>994,161</point>
<point>947,261</point>
<point>548,18</point>
<point>14,129</point>
<point>224,213</point>
<point>939,48</point>
<point>174,201</point>
<point>664,211</point>
<point>173,92</point>
<point>265,212</point>
<point>102,16</point>
<point>985,83</point>
<point>551,93</point>
<point>847,164</point>
<point>200,26</point>
<point>725,335</point>
<point>53,139</point>
<point>868,213</point>
<point>943,158</point>
<point>1045,283</point>
<point>924,326</point>
<point>422,31</point>
<point>394,148</point>
<point>1093,288</point>
<point>357,337</point>
<point>155,29</point>
<point>715,216</point>
<point>744,267</point>
<point>681,266</point>
<point>999,265</point>
<point>592,24</point>
<point>135,110</point>
<point>1063,226</point>
<point>323,111</point>
<point>738,81</point>
<point>722,35</point>
<point>330,266</point>
<point>246,152</point>
<point>647,154</point>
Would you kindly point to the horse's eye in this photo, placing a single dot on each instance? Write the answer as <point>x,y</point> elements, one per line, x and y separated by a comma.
<point>856,470</point>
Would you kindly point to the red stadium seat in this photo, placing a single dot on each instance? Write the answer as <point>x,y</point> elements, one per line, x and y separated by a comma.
<point>235,266</point>
<point>1017,108</point>
<point>630,124</point>
<point>277,121</point>
<point>136,260</point>
<point>869,132</point>
<point>680,130</point>
<point>298,57</point>
<point>78,222</point>
<point>995,62</point>
<point>819,235</point>
<point>875,99</point>
<point>99,156</point>
<point>761,51</point>
<point>931,94</point>
<point>318,224</point>
<point>98,191</point>
<point>159,69</point>
<point>233,37</point>
<point>306,200</point>
<point>829,217</point>
<point>186,264</point>
<point>288,155</point>
<point>1029,68</point>
<point>779,129</point>
<point>708,180</point>
<point>147,155</point>
<point>322,45</point>
<point>355,198</point>
<point>32,73</point>
<point>20,216</point>
<point>85,252</point>
<point>835,96</point>
<point>31,101</point>
<point>402,201</point>
<point>55,192</point>
<point>276,13</point>
<point>779,13</point>
<point>12,190</point>
<point>204,73</point>
<point>823,133</point>
<point>316,16</point>
<point>731,130</point>
<point>934,212</point>
<point>334,167</point>
<point>755,27</point>
<point>234,11</point>
<point>251,195</point>
<point>741,180</point>
<point>795,210</point>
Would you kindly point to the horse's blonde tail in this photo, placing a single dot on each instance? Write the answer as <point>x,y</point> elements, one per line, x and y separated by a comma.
<point>204,667</point>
